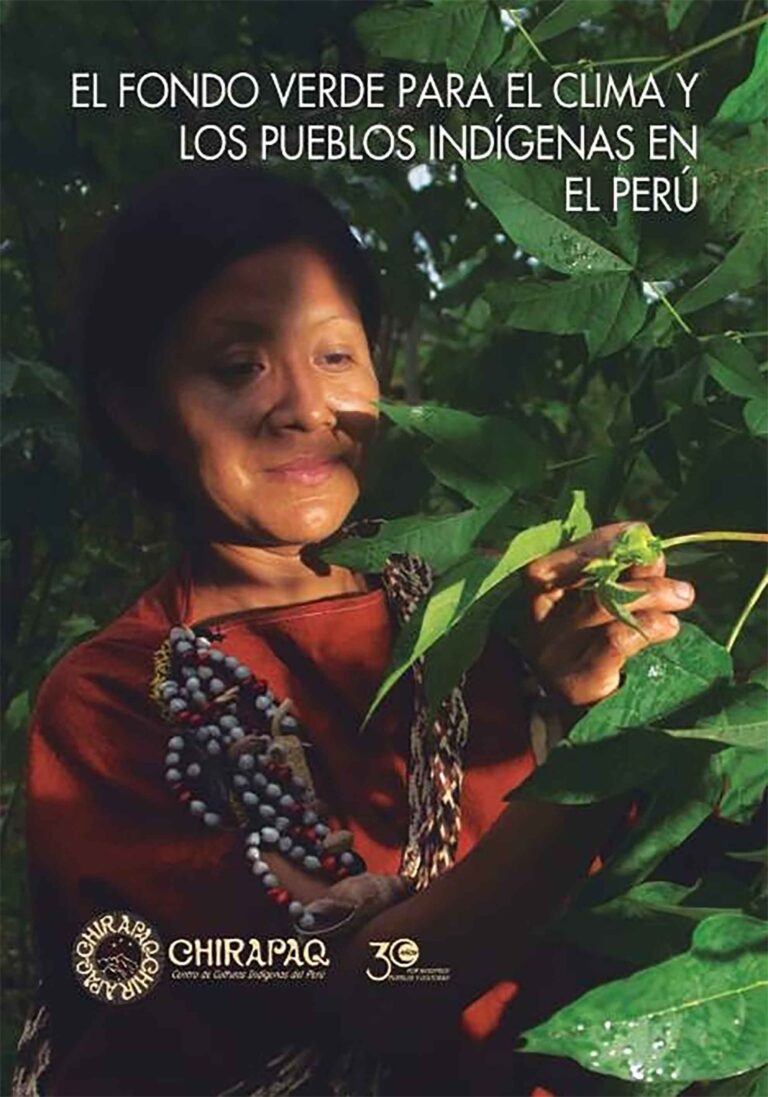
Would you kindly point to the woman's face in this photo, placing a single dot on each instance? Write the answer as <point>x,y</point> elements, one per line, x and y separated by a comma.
<point>267,399</point>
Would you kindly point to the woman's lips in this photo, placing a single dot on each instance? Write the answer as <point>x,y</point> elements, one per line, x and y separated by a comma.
<point>304,470</point>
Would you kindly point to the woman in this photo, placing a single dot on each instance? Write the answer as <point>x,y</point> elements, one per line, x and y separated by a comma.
<point>228,333</point>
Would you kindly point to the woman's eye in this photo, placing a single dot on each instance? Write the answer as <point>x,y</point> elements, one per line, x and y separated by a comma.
<point>238,372</point>
<point>336,359</point>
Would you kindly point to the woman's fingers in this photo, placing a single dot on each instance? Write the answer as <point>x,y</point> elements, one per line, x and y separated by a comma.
<point>582,608</point>
<point>563,567</point>
<point>597,672</point>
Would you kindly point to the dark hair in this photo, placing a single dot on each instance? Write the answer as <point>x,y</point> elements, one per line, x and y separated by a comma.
<point>168,242</point>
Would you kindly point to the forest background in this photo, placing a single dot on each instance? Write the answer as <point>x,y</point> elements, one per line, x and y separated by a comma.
<point>641,383</point>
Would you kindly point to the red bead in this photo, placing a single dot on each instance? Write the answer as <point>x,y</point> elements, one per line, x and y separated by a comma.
<point>185,795</point>
<point>282,897</point>
<point>310,834</point>
<point>329,863</point>
<point>184,717</point>
<point>259,685</point>
<point>202,656</point>
<point>283,772</point>
<point>270,768</point>
<point>195,720</point>
<point>274,892</point>
<point>342,873</point>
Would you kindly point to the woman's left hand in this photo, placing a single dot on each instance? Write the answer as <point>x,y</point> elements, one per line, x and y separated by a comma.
<point>576,647</point>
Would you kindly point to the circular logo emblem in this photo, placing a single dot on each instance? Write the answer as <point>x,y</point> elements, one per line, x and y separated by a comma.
<point>118,958</point>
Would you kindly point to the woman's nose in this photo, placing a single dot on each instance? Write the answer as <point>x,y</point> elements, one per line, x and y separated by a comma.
<point>301,401</point>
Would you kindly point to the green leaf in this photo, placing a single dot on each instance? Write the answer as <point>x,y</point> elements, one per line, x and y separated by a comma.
<point>658,680</point>
<point>699,1015</point>
<point>584,773</point>
<point>466,35</point>
<point>483,450</point>
<point>567,15</point>
<point>676,10</point>
<point>577,523</point>
<point>748,103</point>
<point>736,715</point>
<point>460,590</point>
<point>528,201</point>
<point>647,925</point>
<point>753,1083</point>
<point>440,540</point>
<point>734,368</point>
<point>756,415</point>
<point>745,265</point>
<point>608,308</point>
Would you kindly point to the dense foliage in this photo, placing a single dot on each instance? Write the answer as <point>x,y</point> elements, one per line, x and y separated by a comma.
<point>622,361</point>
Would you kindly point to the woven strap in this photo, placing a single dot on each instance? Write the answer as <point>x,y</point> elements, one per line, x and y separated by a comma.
<point>436,768</point>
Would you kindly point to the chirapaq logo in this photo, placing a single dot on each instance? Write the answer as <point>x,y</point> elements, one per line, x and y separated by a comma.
<point>395,961</point>
<point>118,958</point>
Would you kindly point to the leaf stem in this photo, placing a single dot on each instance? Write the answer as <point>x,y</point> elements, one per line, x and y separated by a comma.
<point>742,28</point>
<point>752,601</point>
<point>588,63</point>
<point>738,334</point>
<point>671,308</point>
<point>713,535</point>
<point>518,23</point>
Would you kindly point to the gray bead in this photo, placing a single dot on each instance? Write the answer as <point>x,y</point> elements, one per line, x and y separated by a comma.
<point>187,673</point>
<point>213,748</point>
<point>228,722</point>
<point>347,859</point>
<point>240,780</point>
<point>273,791</point>
<point>262,702</point>
<point>193,770</point>
<point>202,643</point>
<point>287,801</point>
<point>170,689</point>
<point>199,698</point>
<point>216,686</point>
<point>282,823</point>
<point>251,799</point>
<point>177,704</point>
<point>259,780</point>
<point>298,783</point>
<point>177,633</point>
<point>285,843</point>
<point>242,674</point>
<point>289,723</point>
<point>253,839</point>
<point>204,673</point>
<point>176,743</point>
<point>202,735</point>
<point>226,740</point>
<point>311,863</point>
<point>237,734</point>
<point>259,868</point>
<point>245,762</point>
<point>306,921</point>
<point>267,812</point>
<point>270,712</point>
<point>231,662</point>
<point>310,818</point>
<point>197,807</point>
<point>212,819</point>
<point>172,776</point>
<point>298,853</point>
<point>215,656</point>
<point>262,759</point>
<point>172,759</point>
<point>213,731</point>
<point>193,683</point>
<point>190,633</point>
<point>269,835</point>
<point>252,853</point>
<point>295,908</point>
<point>321,830</point>
<point>183,647</point>
<point>270,880</point>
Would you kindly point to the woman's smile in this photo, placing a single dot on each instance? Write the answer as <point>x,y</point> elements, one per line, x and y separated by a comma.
<point>307,470</point>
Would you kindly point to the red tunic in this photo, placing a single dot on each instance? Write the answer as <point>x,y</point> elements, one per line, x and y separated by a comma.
<point>105,833</point>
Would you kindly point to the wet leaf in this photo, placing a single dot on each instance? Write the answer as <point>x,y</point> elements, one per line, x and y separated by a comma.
<point>658,680</point>
<point>734,368</point>
<point>699,1015</point>
<point>528,200</point>
<point>748,102</point>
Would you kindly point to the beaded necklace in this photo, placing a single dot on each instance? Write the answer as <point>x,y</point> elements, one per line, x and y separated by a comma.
<point>236,761</point>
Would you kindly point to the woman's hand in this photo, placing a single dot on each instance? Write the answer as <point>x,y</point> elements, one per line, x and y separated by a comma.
<point>576,647</point>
